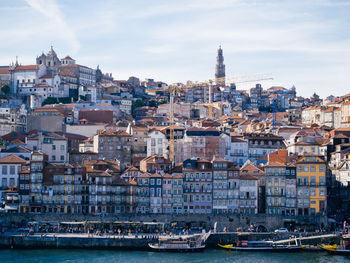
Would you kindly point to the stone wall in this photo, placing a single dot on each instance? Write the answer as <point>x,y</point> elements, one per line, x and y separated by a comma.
<point>230,222</point>
<point>67,242</point>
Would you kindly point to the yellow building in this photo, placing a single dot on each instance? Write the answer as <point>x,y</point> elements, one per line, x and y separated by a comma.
<point>311,184</point>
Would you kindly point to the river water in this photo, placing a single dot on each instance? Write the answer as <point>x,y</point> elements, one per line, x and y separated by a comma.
<point>210,256</point>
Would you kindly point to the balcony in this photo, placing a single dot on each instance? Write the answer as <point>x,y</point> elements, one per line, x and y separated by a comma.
<point>237,154</point>
<point>103,192</point>
<point>35,202</point>
<point>254,155</point>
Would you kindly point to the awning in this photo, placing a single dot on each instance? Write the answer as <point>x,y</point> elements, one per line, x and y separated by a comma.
<point>72,223</point>
<point>11,208</point>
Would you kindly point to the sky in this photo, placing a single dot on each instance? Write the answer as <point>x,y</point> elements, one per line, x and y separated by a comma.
<point>300,43</point>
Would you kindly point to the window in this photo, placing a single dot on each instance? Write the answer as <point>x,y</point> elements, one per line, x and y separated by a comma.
<point>4,169</point>
<point>12,169</point>
<point>53,147</point>
<point>313,180</point>
<point>322,180</point>
<point>306,168</point>
<point>322,192</point>
<point>62,157</point>
<point>313,168</point>
<point>4,182</point>
<point>48,140</point>
<point>300,168</point>
<point>53,157</point>
<point>62,147</point>
<point>322,168</point>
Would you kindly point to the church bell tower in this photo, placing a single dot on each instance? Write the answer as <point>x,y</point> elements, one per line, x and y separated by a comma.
<point>220,68</point>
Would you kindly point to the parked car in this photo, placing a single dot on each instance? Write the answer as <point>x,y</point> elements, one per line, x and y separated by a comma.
<point>281,230</point>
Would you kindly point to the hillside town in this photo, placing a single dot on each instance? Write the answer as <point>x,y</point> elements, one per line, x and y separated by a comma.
<point>74,140</point>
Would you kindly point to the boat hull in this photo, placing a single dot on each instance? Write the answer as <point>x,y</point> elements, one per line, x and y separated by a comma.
<point>267,249</point>
<point>169,249</point>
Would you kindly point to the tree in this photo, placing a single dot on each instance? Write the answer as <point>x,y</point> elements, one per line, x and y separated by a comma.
<point>152,103</point>
<point>138,103</point>
<point>5,89</point>
<point>49,100</point>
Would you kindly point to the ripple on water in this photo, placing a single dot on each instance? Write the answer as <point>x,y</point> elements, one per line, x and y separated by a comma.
<point>211,256</point>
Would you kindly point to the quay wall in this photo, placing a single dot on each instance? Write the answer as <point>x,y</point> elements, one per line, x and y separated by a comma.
<point>132,243</point>
<point>229,221</point>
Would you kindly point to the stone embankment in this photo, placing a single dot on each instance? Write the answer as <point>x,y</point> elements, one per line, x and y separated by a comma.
<point>230,222</point>
<point>84,241</point>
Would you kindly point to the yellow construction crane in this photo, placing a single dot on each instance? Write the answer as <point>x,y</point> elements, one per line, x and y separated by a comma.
<point>210,84</point>
<point>245,78</point>
<point>172,89</point>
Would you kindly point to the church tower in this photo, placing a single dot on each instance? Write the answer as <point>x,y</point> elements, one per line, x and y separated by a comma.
<point>220,68</point>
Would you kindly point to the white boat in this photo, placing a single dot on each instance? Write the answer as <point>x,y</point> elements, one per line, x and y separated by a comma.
<point>193,243</point>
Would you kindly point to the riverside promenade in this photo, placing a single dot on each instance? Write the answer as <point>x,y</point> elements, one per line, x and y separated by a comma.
<point>230,222</point>
<point>140,242</point>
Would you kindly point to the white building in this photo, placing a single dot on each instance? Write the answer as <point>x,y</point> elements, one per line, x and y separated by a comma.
<point>156,143</point>
<point>125,105</point>
<point>23,76</point>
<point>89,92</point>
<point>343,173</point>
<point>52,144</point>
<point>238,150</point>
<point>10,166</point>
<point>248,194</point>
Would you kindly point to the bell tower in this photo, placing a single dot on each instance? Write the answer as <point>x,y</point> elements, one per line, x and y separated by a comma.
<point>220,68</point>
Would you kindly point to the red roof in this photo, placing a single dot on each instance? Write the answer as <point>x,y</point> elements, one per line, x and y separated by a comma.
<point>12,158</point>
<point>26,67</point>
<point>4,70</point>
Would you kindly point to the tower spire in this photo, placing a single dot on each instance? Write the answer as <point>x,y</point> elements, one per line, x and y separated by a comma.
<point>220,68</point>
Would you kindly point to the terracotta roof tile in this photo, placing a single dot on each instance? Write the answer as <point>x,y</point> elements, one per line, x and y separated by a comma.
<point>12,158</point>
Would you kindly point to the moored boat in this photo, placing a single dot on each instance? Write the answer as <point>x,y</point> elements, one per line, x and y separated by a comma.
<point>194,243</point>
<point>342,249</point>
<point>177,246</point>
<point>262,246</point>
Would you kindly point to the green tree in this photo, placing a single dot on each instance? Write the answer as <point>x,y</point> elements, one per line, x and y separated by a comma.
<point>152,103</point>
<point>5,89</point>
<point>138,103</point>
<point>50,100</point>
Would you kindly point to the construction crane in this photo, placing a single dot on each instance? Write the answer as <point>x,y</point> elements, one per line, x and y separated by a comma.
<point>210,85</point>
<point>233,80</point>
<point>172,89</point>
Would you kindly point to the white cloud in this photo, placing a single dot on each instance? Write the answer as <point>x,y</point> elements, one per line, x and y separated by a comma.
<point>299,42</point>
<point>61,29</point>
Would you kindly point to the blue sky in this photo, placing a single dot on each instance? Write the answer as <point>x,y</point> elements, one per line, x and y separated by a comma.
<point>301,43</point>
